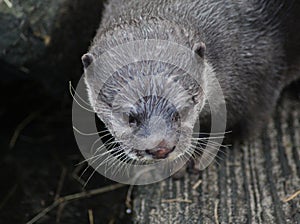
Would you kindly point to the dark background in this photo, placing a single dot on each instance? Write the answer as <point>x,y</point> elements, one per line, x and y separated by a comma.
<point>41,44</point>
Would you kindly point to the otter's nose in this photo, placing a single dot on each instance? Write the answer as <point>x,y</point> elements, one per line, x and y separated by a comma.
<point>161,151</point>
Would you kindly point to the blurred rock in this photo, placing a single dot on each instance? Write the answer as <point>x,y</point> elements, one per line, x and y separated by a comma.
<point>44,40</point>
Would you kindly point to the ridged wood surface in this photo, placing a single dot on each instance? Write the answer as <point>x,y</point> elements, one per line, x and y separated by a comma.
<point>248,185</point>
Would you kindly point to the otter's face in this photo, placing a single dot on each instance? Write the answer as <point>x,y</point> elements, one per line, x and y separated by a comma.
<point>150,108</point>
<point>151,128</point>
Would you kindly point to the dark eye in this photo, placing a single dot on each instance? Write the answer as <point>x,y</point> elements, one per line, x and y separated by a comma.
<point>175,117</point>
<point>131,119</point>
<point>196,99</point>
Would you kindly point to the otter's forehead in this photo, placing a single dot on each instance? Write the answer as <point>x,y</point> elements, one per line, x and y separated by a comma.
<point>142,79</point>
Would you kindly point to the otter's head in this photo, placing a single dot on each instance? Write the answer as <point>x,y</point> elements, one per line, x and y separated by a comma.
<point>150,107</point>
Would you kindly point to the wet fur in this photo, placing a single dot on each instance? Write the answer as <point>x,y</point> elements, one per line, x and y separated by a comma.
<point>244,46</point>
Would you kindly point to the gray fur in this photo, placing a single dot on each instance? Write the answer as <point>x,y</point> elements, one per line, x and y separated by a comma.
<point>244,47</point>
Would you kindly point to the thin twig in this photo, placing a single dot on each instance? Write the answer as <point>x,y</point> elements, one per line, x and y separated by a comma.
<point>216,212</point>
<point>91,216</point>
<point>112,221</point>
<point>76,176</point>
<point>128,197</point>
<point>59,212</point>
<point>60,183</point>
<point>21,126</point>
<point>293,196</point>
<point>75,197</point>
<point>197,184</point>
<point>44,212</point>
<point>8,3</point>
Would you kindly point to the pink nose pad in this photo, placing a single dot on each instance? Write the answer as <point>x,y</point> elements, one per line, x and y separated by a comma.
<point>161,151</point>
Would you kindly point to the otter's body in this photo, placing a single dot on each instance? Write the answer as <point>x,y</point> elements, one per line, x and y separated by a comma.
<point>244,46</point>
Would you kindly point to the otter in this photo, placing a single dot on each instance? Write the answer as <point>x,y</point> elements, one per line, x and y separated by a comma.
<point>150,107</point>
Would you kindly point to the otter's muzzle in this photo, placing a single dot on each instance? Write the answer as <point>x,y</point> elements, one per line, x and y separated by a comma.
<point>161,151</point>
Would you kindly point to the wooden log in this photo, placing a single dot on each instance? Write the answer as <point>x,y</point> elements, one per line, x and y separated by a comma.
<point>251,183</point>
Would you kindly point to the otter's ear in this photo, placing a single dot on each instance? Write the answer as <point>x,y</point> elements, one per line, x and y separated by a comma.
<point>87,59</point>
<point>199,48</point>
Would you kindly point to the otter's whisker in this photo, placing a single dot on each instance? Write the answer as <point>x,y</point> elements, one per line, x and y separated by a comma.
<point>211,144</point>
<point>119,164</point>
<point>212,133</point>
<point>71,88</point>
<point>182,157</point>
<point>214,137</point>
<point>124,165</point>
<point>107,160</point>
<point>117,160</point>
<point>216,143</point>
<point>113,151</point>
<point>90,134</point>
<point>107,145</point>
<point>209,154</point>
<point>206,144</point>
<point>114,156</point>
<point>96,158</point>
<point>92,147</point>
<point>89,110</point>
<point>201,149</point>
<point>131,162</point>
<point>190,153</point>
<point>221,148</point>
<point>212,158</point>
<point>83,107</point>
<point>98,149</point>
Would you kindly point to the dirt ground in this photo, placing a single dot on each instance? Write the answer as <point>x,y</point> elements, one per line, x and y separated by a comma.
<point>39,158</point>
<point>40,49</point>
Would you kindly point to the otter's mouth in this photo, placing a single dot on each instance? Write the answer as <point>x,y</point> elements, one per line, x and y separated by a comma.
<point>160,152</point>
<point>150,155</point>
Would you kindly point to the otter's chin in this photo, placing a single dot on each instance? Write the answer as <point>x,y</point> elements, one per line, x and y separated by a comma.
<point>153,155</point>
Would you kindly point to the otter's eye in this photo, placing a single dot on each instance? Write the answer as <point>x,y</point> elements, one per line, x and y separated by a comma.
<point>131,119</point>
<point>175,117</point>
<point>195,99</point>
